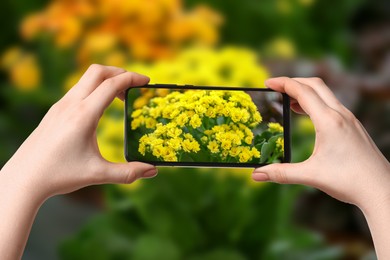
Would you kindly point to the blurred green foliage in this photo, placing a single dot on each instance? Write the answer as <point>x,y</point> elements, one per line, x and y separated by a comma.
<point>315,27</point>
<point>213,218</point>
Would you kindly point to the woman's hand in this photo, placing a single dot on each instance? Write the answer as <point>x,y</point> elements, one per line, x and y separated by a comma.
<point>62,155</point>
<point>345,162</point>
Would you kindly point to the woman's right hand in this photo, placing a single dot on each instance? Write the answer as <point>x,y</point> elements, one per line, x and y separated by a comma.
<point>345,162</point>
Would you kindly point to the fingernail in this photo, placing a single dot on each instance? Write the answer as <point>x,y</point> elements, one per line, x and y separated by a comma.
<point>150,173</point>
<point>260,176</point>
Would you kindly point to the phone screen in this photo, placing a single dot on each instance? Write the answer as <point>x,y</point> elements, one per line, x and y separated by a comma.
<point>206,126</point>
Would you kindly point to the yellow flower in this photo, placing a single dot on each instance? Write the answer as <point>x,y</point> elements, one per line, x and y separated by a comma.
<point>226,144</point>
<point>195,121</point>
<point>255,152</point>
<point>25,73</point>
<point>275,128</point>
<point>140,102</point>
<point>150,122</point>
<point>245,154</point>
<point>248,139</point>
<point>170,155</point>
<point>141,148</point>
<point>175,143</point>
<point>281,48</point>
<point>234,151</point>
<point>190,146</point>
<point>136,113</point>
<point>235,114</point>
<point>172,131</point>
<point>213,147</point>
<point>182,119</point>
<point>23,68</point>
<point>158,150</point>
<point>137,122</point>
<point>280,144</point>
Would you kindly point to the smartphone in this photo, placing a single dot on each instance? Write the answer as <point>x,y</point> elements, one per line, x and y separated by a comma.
<point>206,126</point>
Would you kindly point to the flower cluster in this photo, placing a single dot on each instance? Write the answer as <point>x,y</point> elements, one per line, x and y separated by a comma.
<point>148,29</point>
<point>280,144</point>
<point>191,106</point>
<point>112,33</point>
<point>167,141</point>
<point>207,66</point>
<point>231,141</point>
<point>219,122</point>
<point>276,128</point>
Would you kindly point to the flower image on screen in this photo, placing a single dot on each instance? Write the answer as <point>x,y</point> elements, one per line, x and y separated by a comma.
<point>204,126</point>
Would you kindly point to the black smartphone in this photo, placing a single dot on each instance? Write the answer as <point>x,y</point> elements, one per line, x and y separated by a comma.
<point>206,126</point>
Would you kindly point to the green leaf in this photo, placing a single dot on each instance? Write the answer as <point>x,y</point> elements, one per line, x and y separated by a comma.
<point>267,150</point>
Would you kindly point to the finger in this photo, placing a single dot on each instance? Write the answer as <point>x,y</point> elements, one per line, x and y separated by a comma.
<point>92,78</point>
<point>286,173</point>
<point>125,172</point>
<point>121,96</point>
<point>323,91</point>
<point>112,87</point>
<point>308,99</point>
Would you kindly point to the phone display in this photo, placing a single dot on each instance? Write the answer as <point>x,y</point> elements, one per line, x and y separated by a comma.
<point>206,126</point>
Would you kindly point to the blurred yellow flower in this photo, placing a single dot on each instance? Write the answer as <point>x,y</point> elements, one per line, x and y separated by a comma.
<point>110,139</point>
<point>68,32</point>
<point>96,46</point>
<point>306,2</point>
<point>11,56</point>
<point>23,69</point>
<point>63,19</point>
<point>228,66</point>
<point>284,6</point>
<point>143,29</point>
<point>305,125</point>
<point>281,47</point>
<point>116,58</point>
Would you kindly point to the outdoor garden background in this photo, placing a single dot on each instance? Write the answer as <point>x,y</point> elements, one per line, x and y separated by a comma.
<point>45,46</point>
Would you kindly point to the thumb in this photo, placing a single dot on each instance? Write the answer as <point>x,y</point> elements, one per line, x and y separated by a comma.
<point>285,173</point>
<point>128,172</point>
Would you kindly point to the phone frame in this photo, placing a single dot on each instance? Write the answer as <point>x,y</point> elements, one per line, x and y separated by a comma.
<point>286,127</point>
